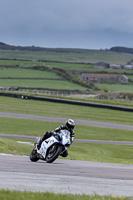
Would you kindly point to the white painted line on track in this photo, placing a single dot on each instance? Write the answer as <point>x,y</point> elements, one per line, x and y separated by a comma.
<point>29,143</point>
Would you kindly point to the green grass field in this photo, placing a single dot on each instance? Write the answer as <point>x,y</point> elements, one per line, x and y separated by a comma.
<point>34,83</point>
<point>22,63</point>
<point>44,108</point>
<point>26,73</point>
<point>18,126</point>
<point>78,56</point>
<point>62,65</point>
<point>50,84</point>
<point>116,87</point>
<point>53,84</point>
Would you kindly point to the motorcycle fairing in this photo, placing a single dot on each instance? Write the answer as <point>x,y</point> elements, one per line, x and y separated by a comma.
<point>46,144</point>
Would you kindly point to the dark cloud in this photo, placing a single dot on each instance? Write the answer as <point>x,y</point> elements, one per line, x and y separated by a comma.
<point>71,23</point>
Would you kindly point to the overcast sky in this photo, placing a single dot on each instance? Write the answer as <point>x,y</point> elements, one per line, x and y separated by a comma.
<point>89,24</point>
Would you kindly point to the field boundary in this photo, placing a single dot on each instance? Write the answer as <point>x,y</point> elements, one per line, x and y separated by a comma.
<point>56,100</point>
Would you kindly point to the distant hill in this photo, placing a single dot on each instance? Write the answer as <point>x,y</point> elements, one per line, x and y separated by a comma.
<point>118,49</point>
<point>67,55</point>
<point>122,50</point>
<point>4,46</point>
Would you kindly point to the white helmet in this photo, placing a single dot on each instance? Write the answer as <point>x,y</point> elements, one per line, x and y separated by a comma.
<point>70,124</point>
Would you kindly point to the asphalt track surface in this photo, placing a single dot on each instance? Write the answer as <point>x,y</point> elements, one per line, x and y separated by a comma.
<point>62,120</point>
<point>66,176</point>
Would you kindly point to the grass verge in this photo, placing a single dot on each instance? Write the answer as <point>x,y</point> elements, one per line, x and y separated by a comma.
<point>16,195</point>
<point>44,108</point>
<point>9,146</point>
<point>29,127</point>
<point>78,151</point>
<point>101,153</point>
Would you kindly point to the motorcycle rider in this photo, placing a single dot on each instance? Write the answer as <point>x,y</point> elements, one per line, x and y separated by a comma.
<point>69,125</point>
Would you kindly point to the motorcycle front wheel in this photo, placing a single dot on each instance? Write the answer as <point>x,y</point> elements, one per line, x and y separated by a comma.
<point>33,155</point>
<point>53,153</point>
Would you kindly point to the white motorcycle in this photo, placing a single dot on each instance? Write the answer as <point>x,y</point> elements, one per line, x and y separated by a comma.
<point>52,147</point>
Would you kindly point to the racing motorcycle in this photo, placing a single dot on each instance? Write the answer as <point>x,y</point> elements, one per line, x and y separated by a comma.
<point>52,147</point>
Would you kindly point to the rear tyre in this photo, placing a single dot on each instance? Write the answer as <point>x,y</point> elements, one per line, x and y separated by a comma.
<point>33,155</point>
<point>53,153</point>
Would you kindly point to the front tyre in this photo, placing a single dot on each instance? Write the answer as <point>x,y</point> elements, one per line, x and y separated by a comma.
<point>33,155</point>
<point>53,153</point>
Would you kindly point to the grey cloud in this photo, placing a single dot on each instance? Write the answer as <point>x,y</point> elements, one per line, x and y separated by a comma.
<point>61,21</point>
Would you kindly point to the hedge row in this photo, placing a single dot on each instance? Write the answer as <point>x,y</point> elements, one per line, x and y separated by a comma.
<point>68,76</point>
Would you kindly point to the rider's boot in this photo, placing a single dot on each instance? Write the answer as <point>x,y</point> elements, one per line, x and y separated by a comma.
<point>38,142</point>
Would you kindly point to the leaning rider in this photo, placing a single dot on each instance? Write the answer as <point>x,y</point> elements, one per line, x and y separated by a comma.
<point>69,125</point>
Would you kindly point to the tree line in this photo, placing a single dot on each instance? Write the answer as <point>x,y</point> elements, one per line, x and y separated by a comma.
<point>122,49</point>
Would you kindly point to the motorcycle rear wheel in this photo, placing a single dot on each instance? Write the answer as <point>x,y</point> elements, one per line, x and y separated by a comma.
<point>53,153</point>
<point>33,155</point>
